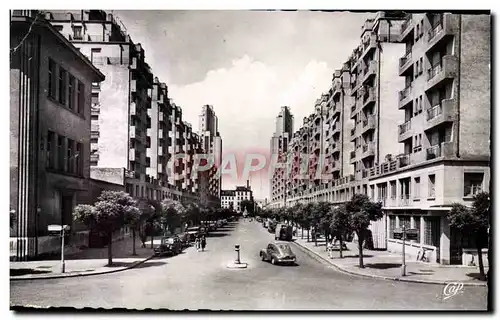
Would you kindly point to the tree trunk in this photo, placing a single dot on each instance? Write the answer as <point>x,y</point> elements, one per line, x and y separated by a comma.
<point>360,250</point>
<point>133,242</point>
<point>326,241</point>
<point>307,234</point>
<point>480,260</point>
<point>315,236</point>
<point>301,232</point>
<point>341,246</point>
<point>110,249</point>
<point>152,235</point>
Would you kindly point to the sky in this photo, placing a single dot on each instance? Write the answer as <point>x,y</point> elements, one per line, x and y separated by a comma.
<point>246,64</point>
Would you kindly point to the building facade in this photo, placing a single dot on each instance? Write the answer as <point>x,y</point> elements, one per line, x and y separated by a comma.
<point>420,148</point>
<point>50,112</point>
<point>231,199</point>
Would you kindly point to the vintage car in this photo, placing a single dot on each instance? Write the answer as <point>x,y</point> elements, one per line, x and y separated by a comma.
<point>278,253</point>
<point>283,232</point>
<point>168,246</point>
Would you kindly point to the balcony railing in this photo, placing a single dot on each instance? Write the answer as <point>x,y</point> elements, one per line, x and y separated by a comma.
<point>438,26</point>
<point>434,70</point>
<point>405,200</point>
<point>433,152</point>
<point>403,128</point>
<point>434,112</point>
<point>405,93</point>
<point>406,24</point>
<point>405,59</point>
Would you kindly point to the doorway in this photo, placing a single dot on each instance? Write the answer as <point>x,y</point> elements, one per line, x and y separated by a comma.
<point>66,212</point>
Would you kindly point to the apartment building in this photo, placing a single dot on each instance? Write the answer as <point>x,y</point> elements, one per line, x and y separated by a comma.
<point>279,146</point>
<point>212,144</point>
<point>231,199</point>
<point>445,133</point>
<point>50,114</point>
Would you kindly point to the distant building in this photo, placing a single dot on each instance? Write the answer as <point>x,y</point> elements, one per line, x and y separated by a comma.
<point>232,198</point>
<point>50,111</point>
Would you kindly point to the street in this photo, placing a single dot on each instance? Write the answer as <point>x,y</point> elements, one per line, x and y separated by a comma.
<point>200,280</point>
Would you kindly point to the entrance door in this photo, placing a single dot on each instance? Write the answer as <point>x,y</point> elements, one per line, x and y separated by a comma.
<point>455,247</point>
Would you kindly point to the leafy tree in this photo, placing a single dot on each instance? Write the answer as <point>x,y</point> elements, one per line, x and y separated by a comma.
<point>307,218</point>
<point>139,225</point>
<point>362,211</point>
<point>473,222</point>
<point>248,205</point>
<point>109,214</point>
<point>172,214</point>
<point>320,214</point>
<point>340,225</point>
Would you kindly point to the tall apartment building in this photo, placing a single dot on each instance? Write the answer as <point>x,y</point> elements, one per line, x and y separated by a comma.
<point>212,144</point>
<point>50,111</point>
<point>279,146</point>
<point>120,118</point>
<point>445,132</point>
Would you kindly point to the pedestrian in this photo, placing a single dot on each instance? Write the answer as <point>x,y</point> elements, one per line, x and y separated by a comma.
<point>197,243</point>
<point>203,243</point>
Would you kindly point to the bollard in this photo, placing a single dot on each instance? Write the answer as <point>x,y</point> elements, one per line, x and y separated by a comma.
<point>237,249</point>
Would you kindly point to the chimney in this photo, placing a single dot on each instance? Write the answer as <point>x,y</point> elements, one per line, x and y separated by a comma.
<point>248,184</point>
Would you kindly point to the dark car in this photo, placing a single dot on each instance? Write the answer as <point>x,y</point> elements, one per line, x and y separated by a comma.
<point>278,253</point>
<point>168,246</point>
<point>271,227</point>
<point>184,239</point>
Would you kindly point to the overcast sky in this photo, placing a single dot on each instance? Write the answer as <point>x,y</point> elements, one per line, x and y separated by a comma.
<point>247,64</point>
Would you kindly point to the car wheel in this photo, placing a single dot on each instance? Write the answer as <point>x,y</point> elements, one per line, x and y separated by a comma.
<point>273,261</point>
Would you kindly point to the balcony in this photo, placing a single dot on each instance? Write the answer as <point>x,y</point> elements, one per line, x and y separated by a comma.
<point>353,134</point>
<point>446,69</point>
<point>336,129</point>
<point>404,63</point>
<point>443,112</point>
<point>352,156</point>
<point>94,157</point>
<point>335,148</point>
<point>337,89</point>
<point>133,109</point>
<point>406,28</point>
<point>368,124</point>
<point>405,131</point>
<point>446,26</point>
<point>133,65</point>
<point>405,96</point>
<point>161,136</point>
<point>369,97</point>
<point>369,45</point>
<point>444,149</point>
<point>353,110</point>
<point>131,154</point>
<point>95,109</point>
<point>94,134</point>
<point>404,200</point>
<point>161,119</point>
<point>132,132</point>
<point>371,69</point>
<point>368,150</point>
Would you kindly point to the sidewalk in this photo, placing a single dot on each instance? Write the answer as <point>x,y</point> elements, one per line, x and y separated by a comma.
<point>387,265</point>
<point>85,262</point>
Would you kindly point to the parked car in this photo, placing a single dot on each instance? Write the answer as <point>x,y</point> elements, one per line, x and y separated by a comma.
<point>184,238</point>
<point>278,253</point>
<point>259,219</point>
<point>168,246</point>
<point>283,232</point>
<point>264,223</point>
<point>193,232</point>
<point>271,227</point>
<point>219,223</point>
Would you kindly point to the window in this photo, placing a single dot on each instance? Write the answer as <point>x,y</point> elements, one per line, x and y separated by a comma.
<point>432,186</point>
<point>77,33</point>
<point>417,68</point>
<point>94,52</point>
<point>80,98</point>
<point>60,153</point>
<point>421,70</point>
<point>432,231</point>
<point>416,221</point>
<point>52,79</point>
<point>62,86</point>
<point>95,98</point>
<point>71,92</point>
<point>69,156</point>
<point>50,150</point>
<point>404,221</point>
<point>473,183</point>
<point>416,193</point>
<point>79,159</point>
<point>392,225</point>
<point>393,189</point>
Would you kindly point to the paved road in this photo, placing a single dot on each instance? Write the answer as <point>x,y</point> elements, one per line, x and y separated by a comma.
<point>200,280</point>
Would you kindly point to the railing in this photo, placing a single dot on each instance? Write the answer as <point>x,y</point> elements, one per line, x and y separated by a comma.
<point>434,70</point>
<point>364,173</point>
<point>94,127</point>
<point>403,128</point>
<point>404,160</point>
<point>434,112</point>
<point>433,152</point>
<point>353,154</point>
<point>353,132</point>
<point>405,199</point>
<point>406,24</point>
<point>435,29</point>
<point>405,93</point>
<point>129,174</point>
<point>405,59</point>
<point>369,94</point>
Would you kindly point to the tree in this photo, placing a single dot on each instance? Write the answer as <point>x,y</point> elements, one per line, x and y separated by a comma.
<point>108,215</point>
<point>340,225</point>
<point>247,205</point>
<point>138,224</point>
<point>362,211</point>
<point>307,218</point>
<point>172,214</point>
<point>473,222</point>
<point>320,214</point>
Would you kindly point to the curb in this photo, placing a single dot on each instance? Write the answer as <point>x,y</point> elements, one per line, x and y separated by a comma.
<point>79,274</point>
<point>342,269</point>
